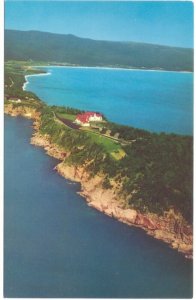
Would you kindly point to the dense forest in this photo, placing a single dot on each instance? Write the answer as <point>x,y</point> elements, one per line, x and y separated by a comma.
<point>154,175</point>
<point>69,49</point>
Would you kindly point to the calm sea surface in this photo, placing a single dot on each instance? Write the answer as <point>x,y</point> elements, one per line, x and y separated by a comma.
<point>57,246</point>
<point>156,101</point>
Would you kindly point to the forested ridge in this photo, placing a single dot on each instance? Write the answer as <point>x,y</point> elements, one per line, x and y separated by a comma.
<point>154,175</point>
<point>70,49</point>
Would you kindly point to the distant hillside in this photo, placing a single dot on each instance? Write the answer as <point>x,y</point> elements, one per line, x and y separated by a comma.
<point>59,48</point>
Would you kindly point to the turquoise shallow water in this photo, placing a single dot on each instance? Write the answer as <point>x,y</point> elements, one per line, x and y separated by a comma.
<point>152,100</point>
<point>57,246</point>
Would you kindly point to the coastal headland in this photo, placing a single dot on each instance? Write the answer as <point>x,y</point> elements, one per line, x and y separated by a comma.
<point>119,178</point>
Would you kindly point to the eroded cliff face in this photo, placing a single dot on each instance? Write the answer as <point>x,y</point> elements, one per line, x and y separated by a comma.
<point>171,227</point>
<point>51,149</point>
<point>37,139</point>
<point>27,112</point>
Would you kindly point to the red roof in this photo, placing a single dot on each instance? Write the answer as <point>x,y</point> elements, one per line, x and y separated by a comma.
<point>84,118</point>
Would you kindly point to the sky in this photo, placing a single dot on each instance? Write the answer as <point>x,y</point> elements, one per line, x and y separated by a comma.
<point>165,23</point>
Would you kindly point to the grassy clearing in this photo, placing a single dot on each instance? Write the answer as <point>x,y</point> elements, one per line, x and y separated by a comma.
<point>67,116</point>
<point>118,154</point>
<point>110,146</point>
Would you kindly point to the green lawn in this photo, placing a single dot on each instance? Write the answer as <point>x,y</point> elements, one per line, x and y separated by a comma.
<point>110,146</point>
<point>66,116</point>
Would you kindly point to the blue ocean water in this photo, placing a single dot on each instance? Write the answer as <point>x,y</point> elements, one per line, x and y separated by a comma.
<point>153,100</point>
<point>57,246</point>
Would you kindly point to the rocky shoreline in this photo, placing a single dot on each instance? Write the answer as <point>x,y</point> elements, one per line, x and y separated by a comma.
<point>170,228</point>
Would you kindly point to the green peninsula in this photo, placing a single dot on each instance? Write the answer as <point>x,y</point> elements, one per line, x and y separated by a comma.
<point>136,176</point>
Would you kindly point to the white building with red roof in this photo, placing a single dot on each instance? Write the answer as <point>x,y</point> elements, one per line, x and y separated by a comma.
<point>84,119</point>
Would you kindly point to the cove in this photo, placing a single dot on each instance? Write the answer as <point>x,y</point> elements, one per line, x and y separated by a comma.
<point>55,245</point>
<point>157,101</point>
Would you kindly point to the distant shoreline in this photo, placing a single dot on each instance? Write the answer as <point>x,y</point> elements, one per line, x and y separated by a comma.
<point>105,68</point>
<point>96,68</point>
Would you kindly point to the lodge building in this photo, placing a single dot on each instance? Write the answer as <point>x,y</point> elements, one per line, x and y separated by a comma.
<point>84,119</point>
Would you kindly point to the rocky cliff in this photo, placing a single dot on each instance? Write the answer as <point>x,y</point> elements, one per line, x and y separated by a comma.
<point>21,110</point>
<point>171,227</point>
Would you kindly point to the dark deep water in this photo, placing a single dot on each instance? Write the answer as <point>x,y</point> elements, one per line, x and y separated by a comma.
<point>57,246</point>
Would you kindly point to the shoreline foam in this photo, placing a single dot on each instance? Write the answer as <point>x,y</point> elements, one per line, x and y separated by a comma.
<point>31,75</point>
